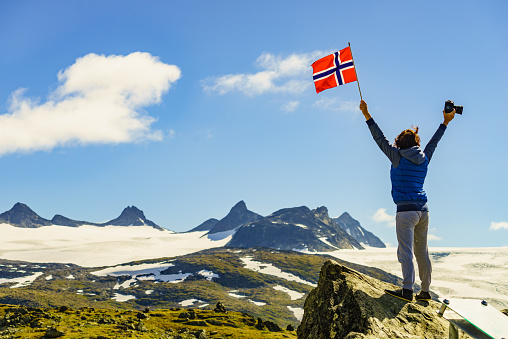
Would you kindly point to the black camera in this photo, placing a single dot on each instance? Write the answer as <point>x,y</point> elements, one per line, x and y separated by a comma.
<point>449,106</point>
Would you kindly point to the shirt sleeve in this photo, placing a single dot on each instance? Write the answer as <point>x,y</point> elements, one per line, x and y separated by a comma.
<point>388,149</point>
<point>432,144</point>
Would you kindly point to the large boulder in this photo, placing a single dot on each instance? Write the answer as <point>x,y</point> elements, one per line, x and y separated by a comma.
<point>349,304</point>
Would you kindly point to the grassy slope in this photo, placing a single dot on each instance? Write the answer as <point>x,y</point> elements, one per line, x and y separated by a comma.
<point>25,322</point>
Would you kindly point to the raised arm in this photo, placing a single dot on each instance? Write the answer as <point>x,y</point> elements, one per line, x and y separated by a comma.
<point>388,149</point>
<point>432,144</point>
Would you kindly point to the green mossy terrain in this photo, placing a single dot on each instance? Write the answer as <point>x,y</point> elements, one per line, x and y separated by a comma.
<point>27,322</point>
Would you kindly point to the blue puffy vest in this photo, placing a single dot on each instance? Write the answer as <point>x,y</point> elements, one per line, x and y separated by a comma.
<point>407,182</point>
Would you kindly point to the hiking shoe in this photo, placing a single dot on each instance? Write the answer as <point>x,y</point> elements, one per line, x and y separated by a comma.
<point>423,296</point>
<point>403,294</point>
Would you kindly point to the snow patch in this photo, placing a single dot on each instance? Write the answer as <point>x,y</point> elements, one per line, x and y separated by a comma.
<point>189,302</point>
<point>269,269</point>
<point>257,303</point>
<point>298,312</point>
<point>239,296</point>
<point>208,274</point>
<point>294,295</point>
<point>122,297</point>
<point>325,240</point>
<point>21,281</point>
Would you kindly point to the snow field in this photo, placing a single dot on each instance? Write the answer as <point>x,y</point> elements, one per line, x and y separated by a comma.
<point>92,246</point>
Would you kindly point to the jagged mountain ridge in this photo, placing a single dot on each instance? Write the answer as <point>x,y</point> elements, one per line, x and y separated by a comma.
<point>20,215</point>
<point>353,228</point>
<point>297,228</point>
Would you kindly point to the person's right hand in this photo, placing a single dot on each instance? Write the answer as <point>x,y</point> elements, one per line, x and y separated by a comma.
<point>448,117</point>
<point>365,110</point>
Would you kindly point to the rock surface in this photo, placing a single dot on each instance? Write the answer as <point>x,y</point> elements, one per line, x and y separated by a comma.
<point>348,304</point>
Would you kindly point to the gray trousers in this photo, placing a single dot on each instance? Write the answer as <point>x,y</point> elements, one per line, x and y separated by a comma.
<point>412,228</point>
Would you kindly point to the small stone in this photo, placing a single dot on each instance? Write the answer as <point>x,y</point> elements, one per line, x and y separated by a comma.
<point>53,333</point>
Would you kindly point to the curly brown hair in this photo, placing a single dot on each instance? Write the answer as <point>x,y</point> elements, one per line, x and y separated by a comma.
<point>408,138</point>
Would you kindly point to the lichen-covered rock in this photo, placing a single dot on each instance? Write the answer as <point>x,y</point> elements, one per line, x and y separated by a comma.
<point>348,304</point>
<point>219,308</point>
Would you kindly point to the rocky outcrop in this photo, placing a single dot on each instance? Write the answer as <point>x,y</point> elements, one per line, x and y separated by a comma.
<point>297,228</point>
<point>353,228</point>
<point>348,304</point>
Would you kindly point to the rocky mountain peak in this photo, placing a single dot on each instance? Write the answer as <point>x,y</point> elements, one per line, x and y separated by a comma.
<point>131,216</point>
<point>239,207</point>
<point>133,211</point>
<point>238,216</point>
<point>21,208</point>
<point>349,304</point>
<point>21,215</point>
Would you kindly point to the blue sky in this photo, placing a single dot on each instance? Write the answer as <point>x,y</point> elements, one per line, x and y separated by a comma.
<point>185,108</point>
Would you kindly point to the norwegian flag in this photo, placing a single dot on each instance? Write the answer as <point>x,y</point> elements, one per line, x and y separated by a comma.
<point>334,70</point>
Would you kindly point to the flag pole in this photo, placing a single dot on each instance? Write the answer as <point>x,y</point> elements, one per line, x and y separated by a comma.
<point>357,81</point>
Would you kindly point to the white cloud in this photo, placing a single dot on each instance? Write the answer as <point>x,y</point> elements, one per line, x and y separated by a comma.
<point>498,225</point>
<point>381,216</point>
<point>333,104</point>
<point>431,237</point>
<point>99,99</point>
<point>292,74</point>
<point>290,106</point>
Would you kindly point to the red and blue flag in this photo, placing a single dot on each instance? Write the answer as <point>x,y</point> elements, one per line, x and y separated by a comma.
<point>334,70</point>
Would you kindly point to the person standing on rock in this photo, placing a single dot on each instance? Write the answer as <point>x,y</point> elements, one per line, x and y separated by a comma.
<point>408,172</point>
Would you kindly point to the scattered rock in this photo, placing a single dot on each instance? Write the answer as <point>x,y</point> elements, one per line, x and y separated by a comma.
<point>201,334</point>
<point>141,315</point>
<point>196,323</point>
<point>349,304</point>
<point>249,321</point>
<point>219,308</point>
<point>272,327</point>
<point>141,327</point>
<point>53,333</point>
<point>184,315</point>
<point>214,322</point>
<point>63,309</point>
<point>260,325</point>
<point>37,323</point>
